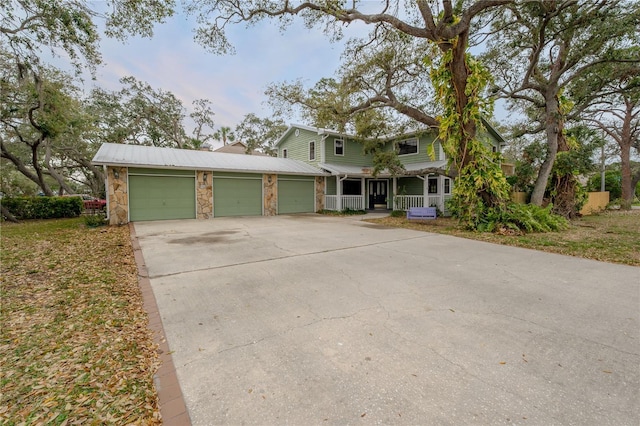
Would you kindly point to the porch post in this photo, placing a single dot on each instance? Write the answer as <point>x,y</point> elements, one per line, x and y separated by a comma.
<point>363,192</point>
<point>395,193</point>
<point>425,190</point>
<point>338,193</point>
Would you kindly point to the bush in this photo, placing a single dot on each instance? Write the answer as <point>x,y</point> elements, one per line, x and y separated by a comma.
<point>43,207</point>
<point>519,218</point>
<point>398,213</point>
<point>95,220</point>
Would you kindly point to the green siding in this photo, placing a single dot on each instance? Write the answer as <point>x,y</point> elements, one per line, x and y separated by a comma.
<point>422,156</point>
<point>296,195</point>
<point>298,146</point>
<point>410,186</point>
<point>331,185</point>
<point>353,153</point>
<point>161,197</point>
<point>237,196</point>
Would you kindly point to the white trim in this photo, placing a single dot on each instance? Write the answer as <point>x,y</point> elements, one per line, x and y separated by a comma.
<point>344,147</point>
<point>407,140</point>
<point>312,151</point>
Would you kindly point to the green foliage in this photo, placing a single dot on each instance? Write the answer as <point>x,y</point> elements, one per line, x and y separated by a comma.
<point>345,212</point>
<point>612,183</point>
<point>43,207</point>
<point>398,213</point>
<point>95,220</point>
<point>518,218</point>
<point>480,186</point>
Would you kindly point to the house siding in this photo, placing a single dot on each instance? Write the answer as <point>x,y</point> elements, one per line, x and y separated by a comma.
<point>410,186</point>
<point>353,153</point>
<point>422,156</point>
<point>298,146</point>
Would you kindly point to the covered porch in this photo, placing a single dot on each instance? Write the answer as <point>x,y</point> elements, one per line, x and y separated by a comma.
<point>362,191</point>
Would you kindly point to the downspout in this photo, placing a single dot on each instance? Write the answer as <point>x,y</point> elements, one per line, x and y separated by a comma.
<point>323,148</point>
<point>106,190</point>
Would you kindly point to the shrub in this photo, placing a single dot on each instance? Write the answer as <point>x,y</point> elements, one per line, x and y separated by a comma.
<point>398,213</point>
<point>95,220</point>
<point>520,218</point>
<point>43,207</point>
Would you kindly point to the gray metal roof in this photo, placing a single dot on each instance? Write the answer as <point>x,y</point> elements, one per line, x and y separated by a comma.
<point>365,171</point>
<point>114,154</point>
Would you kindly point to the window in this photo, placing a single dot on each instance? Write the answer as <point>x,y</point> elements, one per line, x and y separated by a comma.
<point>351,187</point>
<point>410,146</point>
<point>338,147</point>
<point>284,153</point>
<point>433,185</point>
<point>312,150</point>
<point>494,149</point>
<point>447,186</point>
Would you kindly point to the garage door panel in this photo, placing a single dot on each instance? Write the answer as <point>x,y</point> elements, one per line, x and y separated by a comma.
<point>161,197</point>
<point>237,197</point>
<point>296,196</point>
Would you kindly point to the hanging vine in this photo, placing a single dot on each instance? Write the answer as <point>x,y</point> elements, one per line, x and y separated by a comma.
<point>480,186</point>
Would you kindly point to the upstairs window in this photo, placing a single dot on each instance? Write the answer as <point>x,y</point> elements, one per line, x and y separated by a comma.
<point>409,146</point>
<point>338,147</point>
<point>284,153</point>
<point>312,150</point>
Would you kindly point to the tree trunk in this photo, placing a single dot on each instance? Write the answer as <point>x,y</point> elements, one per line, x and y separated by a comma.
<point>22,168</point>
<point>628,189</point>
<point>7,214</point>
<point>552,130</point>
<point>64,187</point>
<point>565,186</point>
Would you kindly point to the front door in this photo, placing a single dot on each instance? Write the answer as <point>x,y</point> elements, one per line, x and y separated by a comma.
<point>378,194</point>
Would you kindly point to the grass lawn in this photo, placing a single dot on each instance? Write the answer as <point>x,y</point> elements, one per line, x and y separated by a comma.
<point>74,348</point>
<point>612,236</point>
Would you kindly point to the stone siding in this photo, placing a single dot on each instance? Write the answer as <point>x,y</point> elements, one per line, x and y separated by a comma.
<point>118,195</point>
<point>204,195</point>
<point>320,193</point>
<point>270,185</point>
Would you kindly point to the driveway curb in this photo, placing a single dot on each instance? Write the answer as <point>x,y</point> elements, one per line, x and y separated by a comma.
<point>172,406</point>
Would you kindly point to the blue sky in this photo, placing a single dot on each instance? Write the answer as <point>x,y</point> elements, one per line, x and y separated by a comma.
<point>173,61</point>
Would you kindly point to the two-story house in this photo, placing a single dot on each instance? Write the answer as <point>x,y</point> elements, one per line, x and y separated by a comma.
<point>352,184</point>
<point>316,169</point>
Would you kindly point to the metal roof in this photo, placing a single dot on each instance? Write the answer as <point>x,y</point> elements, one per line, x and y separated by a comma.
<point>114,154</point>
<point>366,171</point>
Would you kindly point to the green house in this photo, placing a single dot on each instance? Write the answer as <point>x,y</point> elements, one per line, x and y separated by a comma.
<point>316,169</point>
<point>351,183</point>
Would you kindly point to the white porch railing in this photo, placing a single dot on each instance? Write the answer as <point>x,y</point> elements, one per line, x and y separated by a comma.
<point>331,202</point>
<point>404,202</point>
<point>353,202</point>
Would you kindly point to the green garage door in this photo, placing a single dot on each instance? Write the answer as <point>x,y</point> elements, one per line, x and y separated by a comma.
<point>237,194</point>
<point>161,194</point>
<point>296,194</point>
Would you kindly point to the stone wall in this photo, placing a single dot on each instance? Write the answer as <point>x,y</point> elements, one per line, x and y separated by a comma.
<point>117,195</point>
<point>204,195</point>
<point>320,193</point>
<point>270,191</point>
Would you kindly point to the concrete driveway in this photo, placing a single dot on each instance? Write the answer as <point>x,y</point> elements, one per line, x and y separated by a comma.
<point>315,320</point>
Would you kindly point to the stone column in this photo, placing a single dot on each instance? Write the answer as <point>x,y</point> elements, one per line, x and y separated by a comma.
<point>320,189</point>
<point>204,195</point>
<point>117,194</point>
<point>270,185</point>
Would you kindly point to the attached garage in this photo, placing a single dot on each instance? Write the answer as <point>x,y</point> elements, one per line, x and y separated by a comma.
<point>156,194</point>
<point>296,194</point>
<point>237,194</point>
<point>153,183</point>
